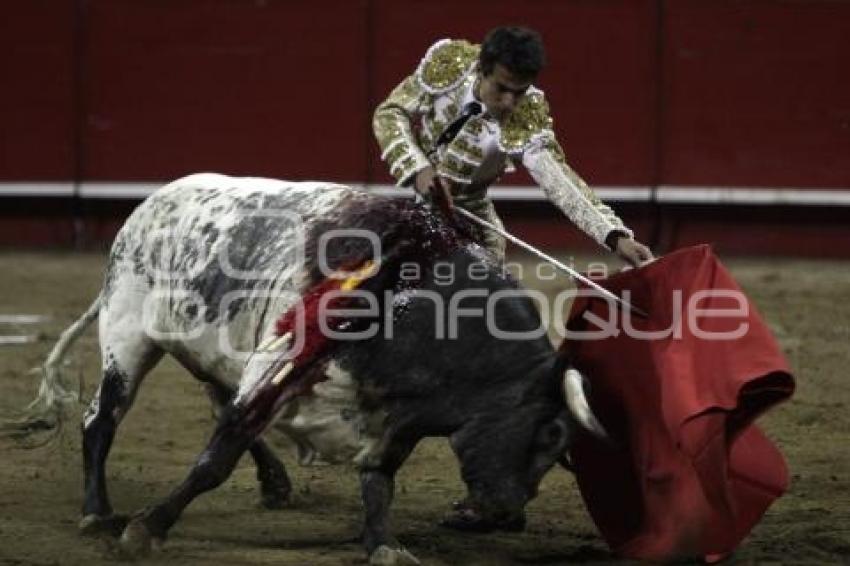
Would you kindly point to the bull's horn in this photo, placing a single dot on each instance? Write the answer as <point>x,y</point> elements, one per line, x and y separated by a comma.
<point>578,405</point>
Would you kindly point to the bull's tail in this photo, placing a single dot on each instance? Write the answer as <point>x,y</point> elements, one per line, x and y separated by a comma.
<point>47,411</point>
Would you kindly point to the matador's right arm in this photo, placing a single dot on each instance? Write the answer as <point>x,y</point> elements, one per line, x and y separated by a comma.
<point>393,126</point>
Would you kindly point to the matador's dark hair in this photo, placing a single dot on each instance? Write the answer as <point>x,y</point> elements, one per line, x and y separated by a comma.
<point>519,50</point>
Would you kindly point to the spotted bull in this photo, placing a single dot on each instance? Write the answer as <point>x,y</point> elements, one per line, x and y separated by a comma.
<point>230,275</point>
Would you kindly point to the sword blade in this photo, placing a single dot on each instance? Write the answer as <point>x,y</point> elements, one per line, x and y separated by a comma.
<point>546,257</point>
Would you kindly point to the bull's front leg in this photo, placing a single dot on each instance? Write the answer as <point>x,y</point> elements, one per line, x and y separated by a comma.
<point>275,485</point>
<point>215,464</point>
<point>377,485</point>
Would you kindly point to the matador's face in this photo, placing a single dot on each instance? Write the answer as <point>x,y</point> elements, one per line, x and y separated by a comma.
<point>501,91</point>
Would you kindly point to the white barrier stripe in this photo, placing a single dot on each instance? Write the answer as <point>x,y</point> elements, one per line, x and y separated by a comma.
<point>705,195</point>
<point>16,340</point>
<point>118,190</point>
<point>22,318</point>
<point>665,194</point>
<point>36,189</point>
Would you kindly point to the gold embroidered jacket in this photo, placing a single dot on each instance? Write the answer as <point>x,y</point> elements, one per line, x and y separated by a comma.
<point>410,120</point>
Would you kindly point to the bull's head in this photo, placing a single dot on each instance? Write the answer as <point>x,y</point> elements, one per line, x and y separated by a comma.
<point>505,456</point>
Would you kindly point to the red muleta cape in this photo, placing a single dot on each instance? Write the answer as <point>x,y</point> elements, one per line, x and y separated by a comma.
<point>687,474</point>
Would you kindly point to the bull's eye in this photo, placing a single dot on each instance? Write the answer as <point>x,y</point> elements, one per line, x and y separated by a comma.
<point>550,435</point>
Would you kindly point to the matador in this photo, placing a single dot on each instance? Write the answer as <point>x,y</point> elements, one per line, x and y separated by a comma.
<point>470,113</point>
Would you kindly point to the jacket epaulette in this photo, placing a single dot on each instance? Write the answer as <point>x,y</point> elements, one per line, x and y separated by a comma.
<point>446,64</point>
<point>529,120</point>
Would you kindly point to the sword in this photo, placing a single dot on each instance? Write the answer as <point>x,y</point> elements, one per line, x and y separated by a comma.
<point>545,257</point>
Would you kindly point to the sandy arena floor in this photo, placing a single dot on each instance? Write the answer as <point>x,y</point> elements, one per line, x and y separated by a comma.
<point>807,304</point>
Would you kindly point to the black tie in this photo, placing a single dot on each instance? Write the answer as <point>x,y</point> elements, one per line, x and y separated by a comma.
<point>470,109</point>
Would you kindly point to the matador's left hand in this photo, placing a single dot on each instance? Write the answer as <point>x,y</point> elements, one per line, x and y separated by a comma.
<point>634,252</point>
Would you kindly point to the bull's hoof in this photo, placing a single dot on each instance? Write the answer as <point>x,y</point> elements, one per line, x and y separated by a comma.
<point>96,525</point>
<point>465,518</point>
<point>137,541</point>
<point>461,505</point>
<point>387,556</point>
<point>274,498</point>
<point>468,520</point>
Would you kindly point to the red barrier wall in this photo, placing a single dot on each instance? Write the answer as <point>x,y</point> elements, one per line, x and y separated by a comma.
<point>756,93</point>
<point>38,111</point>
<point>37,100</point>
<point>644,92</point>
<point>721,93</point>
<point>262,88</point>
